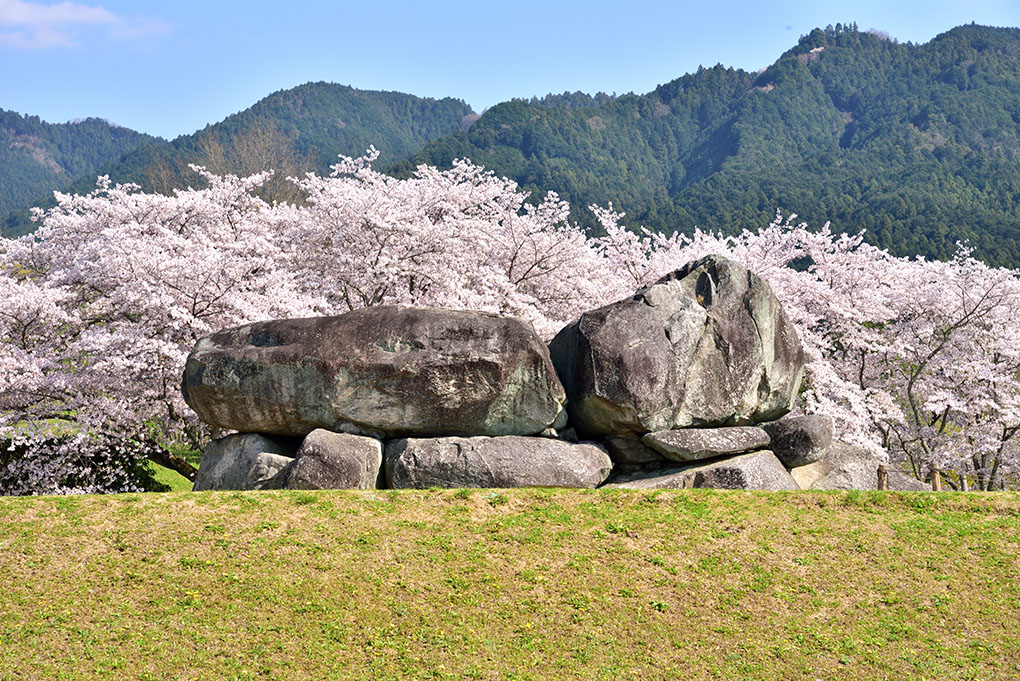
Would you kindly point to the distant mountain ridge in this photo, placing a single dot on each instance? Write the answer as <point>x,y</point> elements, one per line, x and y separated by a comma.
<point>306,127</point>
<point>918,144</point>
<point>37,157</point>
<point>290,131</point>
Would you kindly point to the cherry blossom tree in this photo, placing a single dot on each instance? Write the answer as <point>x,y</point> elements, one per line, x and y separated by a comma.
<point>99,310</point>
<point>956,368</point>
<point>459,238</point>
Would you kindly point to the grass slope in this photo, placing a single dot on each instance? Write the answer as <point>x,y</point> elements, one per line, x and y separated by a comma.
<point>526,584</point>
<point>172,480</point>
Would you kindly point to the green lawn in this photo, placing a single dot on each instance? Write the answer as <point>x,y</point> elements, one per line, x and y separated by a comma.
<point>519,584</point>
<point>172,479</point>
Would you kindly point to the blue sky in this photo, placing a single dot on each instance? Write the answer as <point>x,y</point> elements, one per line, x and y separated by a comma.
<point>169,68</point>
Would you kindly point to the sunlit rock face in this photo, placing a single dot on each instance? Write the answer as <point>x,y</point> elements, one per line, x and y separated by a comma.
<point>385,371</point>
<point>707,345</point>
<point>494,462</point>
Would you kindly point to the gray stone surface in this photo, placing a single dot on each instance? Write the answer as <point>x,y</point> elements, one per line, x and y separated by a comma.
<point>262,474</point>
<point>800,440</point>
<point>863,475</point>
<point>759,470</point>
<point>568,434</point>
<point>695,444</point>
<point>227,461</point>
<point>810,474</point>
<point>847,467</point>
<point>385,371</point>
<point>509,461</point>
<point>629,449</point>
<point>838,453</point>
<point>328,460</point>
<point>707,345</point>
<point>901,482</point>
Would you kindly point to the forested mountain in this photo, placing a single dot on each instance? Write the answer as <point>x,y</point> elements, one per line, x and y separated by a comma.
<point>290,131</point>
<point>37,157</point>
<point>919,144</point>
<point>303,128</point>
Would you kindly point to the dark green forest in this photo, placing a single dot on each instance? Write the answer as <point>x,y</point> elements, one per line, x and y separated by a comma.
<point>304,128</point>
<point>37,158</point>
<point>917,144</point>
<point>291,131</point>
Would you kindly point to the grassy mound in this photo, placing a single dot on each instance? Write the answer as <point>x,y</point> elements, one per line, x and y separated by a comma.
<point>525,584</point>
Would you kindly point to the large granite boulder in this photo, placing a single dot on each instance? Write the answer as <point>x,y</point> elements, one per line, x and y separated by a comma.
<point>328,460</point>
<point>695,444</point>
<point>227,462</point>
<point>708,345</point>
<point>800,440</point>
<point>508,461</point>
<point>383,371</point>
<point>759,470</point>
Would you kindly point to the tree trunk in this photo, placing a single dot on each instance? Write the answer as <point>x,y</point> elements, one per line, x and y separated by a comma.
<point>175,463</point>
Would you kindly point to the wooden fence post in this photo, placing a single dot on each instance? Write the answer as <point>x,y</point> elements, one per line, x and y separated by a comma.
<point>936,480</point>
<point>883,477</point>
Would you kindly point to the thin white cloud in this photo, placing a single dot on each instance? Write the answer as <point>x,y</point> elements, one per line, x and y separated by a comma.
<point>42,37</point>
<point>34,25</point>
